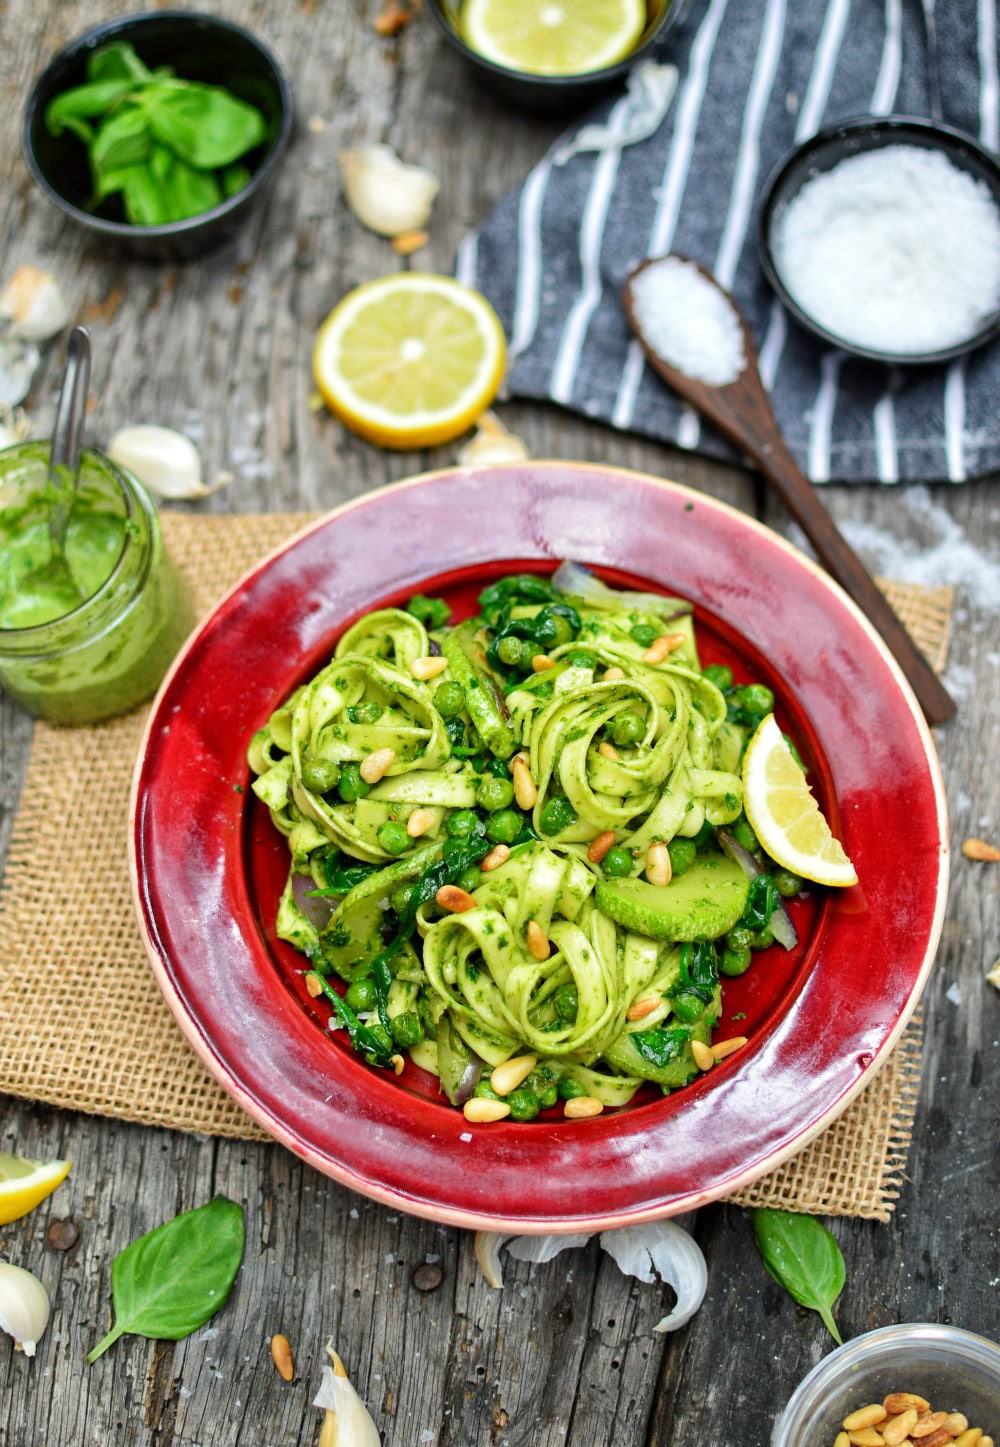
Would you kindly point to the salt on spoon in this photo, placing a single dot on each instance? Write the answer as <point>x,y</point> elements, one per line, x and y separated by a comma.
<point>701,346</point>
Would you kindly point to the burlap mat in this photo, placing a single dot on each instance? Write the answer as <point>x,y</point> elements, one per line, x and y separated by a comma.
<point>83,1026</point>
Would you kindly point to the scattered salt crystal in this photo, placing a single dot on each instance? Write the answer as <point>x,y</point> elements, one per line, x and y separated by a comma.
<point>896,249</point>
<point>687,320</point>
<point>954,993</point>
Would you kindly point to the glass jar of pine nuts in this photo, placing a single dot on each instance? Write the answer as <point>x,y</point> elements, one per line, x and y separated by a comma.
<point>956,1371</point>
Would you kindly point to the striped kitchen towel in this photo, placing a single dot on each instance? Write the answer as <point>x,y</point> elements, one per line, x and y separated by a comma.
<point>756,77</point>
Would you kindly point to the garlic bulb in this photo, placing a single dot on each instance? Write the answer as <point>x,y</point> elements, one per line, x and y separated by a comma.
<point>386,194</point>
<point>492,443</point>
<point>24,1307</point>
<point>346,1423</point>
<point>33,305</point>
<point>167,462</point>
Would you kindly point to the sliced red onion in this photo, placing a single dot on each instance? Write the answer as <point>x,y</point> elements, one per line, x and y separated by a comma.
<point>781,925</point>
<point>574,578</point>
<point>470,1079</point>
<point>316,911</point>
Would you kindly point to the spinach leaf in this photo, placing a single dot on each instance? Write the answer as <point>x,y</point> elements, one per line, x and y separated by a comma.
<point>170,1281</point>
<point>83,102</point>
<point>699,969</point>
<point>362,1039</point>
<point>662,1046</point>
<point>202,124</point>
<point>117,61</point>
<point>123,140</point>
<point>804,1258</point>
<point>762,901</point>
<point>496,601</point>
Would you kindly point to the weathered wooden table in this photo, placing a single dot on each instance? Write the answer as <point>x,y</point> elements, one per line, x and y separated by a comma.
<point>565,1354</point>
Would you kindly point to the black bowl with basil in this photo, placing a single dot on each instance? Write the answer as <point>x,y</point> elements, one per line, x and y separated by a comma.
<point>199,48</point>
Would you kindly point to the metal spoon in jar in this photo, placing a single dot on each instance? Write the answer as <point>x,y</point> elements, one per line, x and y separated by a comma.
<point>714,367</point>
<point>67,436</point>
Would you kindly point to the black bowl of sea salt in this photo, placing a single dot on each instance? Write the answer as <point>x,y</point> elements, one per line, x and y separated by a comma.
<point>881,235</point>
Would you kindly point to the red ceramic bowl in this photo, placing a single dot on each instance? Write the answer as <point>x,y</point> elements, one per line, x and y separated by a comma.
<point>208,866</point>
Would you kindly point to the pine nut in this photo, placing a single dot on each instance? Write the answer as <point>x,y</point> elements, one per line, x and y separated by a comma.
<point>407,242</point>
<point>608,751</point>
<point>512,1073</point>
<point>377,765</point>
<point>941,1438</point>
<point>314,985</point>
<point>898,1429</point>
<point>986,1442</point>
<point>842,1440</point>
<point>703,1057</point>
<point>453,899</point>
<point>897,1402</point>
<point>658,870</point>
<point>729,1047</point>
<point>481,1111</point>
<point>641,1008</point>
<point>865,1417</point>
<point>661,647</point>
<point>583,1107</point>
<point>421,821</point>
<point>428,667</point>
<point>281,1356</point>
<point>600,846</point>
<point>498,855</point>
<point>866,1437</point>
<point>929,1422</point>
<point>980,851</point>
<point>537,940</point>
<point>956,1422</point>
<point>524,785</point>
<point>398,1064</point>
<point>970,1438</point>
<point>542,662</point>
<point>613,674</point>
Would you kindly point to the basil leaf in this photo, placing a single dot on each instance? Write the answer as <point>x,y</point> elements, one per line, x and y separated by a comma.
<point>123,140</point>
<point>804,1258</point>
<point>142,196</point>
<point>187,192</point>
<point>117,61</point>
<point>170,1281</point>
<point>234,178</point>
<point>83,102</point>
<point>202,124</point>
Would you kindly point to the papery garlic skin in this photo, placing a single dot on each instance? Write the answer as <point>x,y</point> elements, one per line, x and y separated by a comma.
<point>492,443</point>
<point>347,1423</point>
<point>165,461</point>
<point>24,1307</point>
<point>33,305</point>
<point>384,193</point>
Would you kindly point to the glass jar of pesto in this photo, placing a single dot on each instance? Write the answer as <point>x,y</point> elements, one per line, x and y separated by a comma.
<point>87,633</point>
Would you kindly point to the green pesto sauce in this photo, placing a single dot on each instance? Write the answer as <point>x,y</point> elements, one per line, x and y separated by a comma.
<point>35,585</point>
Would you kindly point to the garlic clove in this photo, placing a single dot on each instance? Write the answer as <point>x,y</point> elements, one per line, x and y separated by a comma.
<point>24,1307</point>
<point>668,1250</point>
<point>386,194</point>
<point>167,462</point>
<point>18,364</point>
<point>346,1422</point>
<point>492,443</point>
<point>33,305</point>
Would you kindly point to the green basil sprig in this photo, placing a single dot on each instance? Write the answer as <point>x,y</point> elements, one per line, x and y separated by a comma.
<point>804,1258</point>
<point>169,1282</point>
<point>170,148</point>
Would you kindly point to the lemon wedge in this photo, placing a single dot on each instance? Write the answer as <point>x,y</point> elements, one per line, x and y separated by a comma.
<point>553,37</point>
<point>784,815</point>
<point>23,1184</point>
<point>410,360</point>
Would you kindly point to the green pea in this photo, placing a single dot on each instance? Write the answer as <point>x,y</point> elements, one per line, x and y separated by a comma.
<point>580,658</point>
<point>566,1002</point>
<point>510,651</point>
<point>735,962</point>
<point>786,883</point>
<point>762,940</point>
<point>683,853</point>
<point>407,1029</point>
<point>617,863</point>
<point>688,1007</point>
<point>570,1089</point>
<point>463,823</point>
<point>627,729</point>
<point>320,775</point>
<point>739,938</point>
<point>449,699</point>
<point>484,1090</point>
<point>470,878</point>
<point>400,897</point>
<point>494,793</point>
<point>351,786</point>
<point>720,675</point>
<point>556,631</point>
<point>393,838</point>
<point>644,634</point>
<point>548,1096</point>
<point>361,994</point>
<point>744,835</point>
<point>755,699</point>
<point>524,1104</point>
<point>557,815</point>
<point>504,827</point>
<point>365,713</point>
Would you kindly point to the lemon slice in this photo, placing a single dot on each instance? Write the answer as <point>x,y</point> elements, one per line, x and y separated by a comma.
<point>553,37</point>
<point>23,1184</point>
<point>784,815</point>
<point>410,360</point>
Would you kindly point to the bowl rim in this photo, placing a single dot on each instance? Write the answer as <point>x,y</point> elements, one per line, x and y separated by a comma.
<point>950,140</point>
<point>578,79</point>
<point>123,25</point>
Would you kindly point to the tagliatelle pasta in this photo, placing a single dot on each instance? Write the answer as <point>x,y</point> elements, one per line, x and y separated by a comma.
<point>471,931</point>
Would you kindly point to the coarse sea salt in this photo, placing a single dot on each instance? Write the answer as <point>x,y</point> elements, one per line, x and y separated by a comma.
<point>896,250</point>
<point>687,320</point>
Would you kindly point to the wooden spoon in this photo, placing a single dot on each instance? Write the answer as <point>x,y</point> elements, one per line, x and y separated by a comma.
<point>741,411</point>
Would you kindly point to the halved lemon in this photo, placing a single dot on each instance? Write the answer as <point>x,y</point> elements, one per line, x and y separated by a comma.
<point>23,1184</point>
<point>784,815</point>
<point>410,360</point>
<point>553,37</point>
